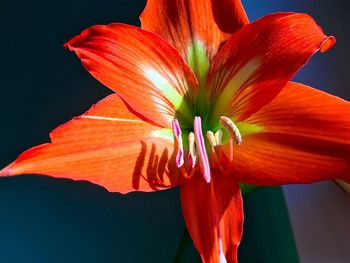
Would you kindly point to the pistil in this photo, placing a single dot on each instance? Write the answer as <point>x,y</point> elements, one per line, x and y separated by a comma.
<point>202,153</point>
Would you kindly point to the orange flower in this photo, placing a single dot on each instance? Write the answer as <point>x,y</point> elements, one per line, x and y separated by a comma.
<point>203,101</point>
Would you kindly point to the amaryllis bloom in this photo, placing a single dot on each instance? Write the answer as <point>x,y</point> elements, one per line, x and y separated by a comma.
<point>202,101</point>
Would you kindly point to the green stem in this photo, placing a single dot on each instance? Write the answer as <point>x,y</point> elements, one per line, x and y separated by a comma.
<point>183,248</point>
<point>345,186</point>
<point>247,188</point>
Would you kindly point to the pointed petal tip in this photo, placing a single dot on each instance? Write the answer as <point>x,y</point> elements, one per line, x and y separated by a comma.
<point>66,45</point>
<point>7,171</point>
<point>69,44</point>
<point>76,39</point>
<point>327,44</point>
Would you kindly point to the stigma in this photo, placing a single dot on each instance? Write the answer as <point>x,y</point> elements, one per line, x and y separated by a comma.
<point>196,153</point>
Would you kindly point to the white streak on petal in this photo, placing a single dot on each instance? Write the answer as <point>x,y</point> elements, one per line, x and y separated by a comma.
<point>222,257</point>
<point>109,119</point>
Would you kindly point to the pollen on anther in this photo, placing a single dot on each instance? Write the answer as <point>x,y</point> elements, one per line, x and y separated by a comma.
<point>327,44</point>
<point>232,129</point>
<point>211,138</point>
<point>218,137</point>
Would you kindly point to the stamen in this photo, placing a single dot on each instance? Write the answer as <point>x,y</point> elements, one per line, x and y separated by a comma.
<point>191,151</point>
<point>211,138</point>
<point>203,156</point>
<point>212,141</point>
<point>218,137</point>
<point>231,127</point>
<point>178,142</point>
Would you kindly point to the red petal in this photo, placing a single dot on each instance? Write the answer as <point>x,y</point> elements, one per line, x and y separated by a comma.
<point>306,138</point>
<point>255,64</point>
<point>213,212</point>
<point>183,22</point>
<point>109,146</point>
<point>148,73</point>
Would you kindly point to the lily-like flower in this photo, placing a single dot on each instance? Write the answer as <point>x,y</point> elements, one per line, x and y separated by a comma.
<point>203,101</point>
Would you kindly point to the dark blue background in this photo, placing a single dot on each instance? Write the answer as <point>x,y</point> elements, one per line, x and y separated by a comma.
<point>42,85</point>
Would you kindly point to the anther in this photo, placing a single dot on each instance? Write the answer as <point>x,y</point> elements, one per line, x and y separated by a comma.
<point>231,127</point>
<point>214,150</point>
<point>211,139</point>
<point>178,142</point>
<point>218,137</point>
<point>191,151</point>
<point>202,153</point>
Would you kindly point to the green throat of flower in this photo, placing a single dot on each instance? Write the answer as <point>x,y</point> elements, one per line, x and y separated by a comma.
<point>199,127</point>
<point>197,146</point>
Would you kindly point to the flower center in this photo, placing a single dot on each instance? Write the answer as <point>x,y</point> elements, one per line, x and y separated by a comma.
<point>186,159</point>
